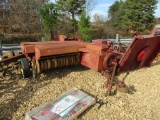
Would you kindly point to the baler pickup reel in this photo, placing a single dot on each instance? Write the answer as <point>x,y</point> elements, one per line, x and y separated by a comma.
<point>139,54</point>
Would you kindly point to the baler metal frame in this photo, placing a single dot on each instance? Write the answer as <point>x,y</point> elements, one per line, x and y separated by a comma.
<point>100,55</point>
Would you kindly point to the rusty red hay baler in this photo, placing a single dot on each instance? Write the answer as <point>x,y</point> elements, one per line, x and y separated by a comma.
<point>100,55</point>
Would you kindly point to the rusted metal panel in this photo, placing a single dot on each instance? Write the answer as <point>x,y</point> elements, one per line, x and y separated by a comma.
<point>89,50</point>
<point>26,46</point>
<point>92,61</point>
<point>101,52</point>
<point>129,60</point>
<point>35,43</point>
<point>29,49</point>
<point>93,55</point>
<point>96,47</point>
<point>57,49</point>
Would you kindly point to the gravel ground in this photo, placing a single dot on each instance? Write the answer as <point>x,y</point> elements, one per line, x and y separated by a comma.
<point>17,96</point>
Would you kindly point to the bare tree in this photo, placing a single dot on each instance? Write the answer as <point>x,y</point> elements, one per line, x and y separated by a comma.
<point>4,14</point>
<point>98,27</point>
<point>90,4</point>
<point>24,15</point>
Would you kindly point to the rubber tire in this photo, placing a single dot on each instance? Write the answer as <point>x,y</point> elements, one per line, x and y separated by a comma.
<point>25,68</point>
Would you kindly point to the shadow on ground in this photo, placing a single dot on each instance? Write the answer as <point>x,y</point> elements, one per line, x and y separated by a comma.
<point>155,63</point>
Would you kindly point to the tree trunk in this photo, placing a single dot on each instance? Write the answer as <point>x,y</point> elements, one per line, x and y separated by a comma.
<point>54,35</point>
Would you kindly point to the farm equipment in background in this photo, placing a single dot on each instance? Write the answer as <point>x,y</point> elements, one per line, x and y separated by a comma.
<point>100,55</point>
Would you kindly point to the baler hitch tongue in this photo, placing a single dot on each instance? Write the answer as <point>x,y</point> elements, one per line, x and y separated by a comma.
<point>112,81</point>
<point>98,101</point>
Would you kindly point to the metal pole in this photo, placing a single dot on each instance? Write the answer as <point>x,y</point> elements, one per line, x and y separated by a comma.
<point>43,39</point>
<point>117,38</point>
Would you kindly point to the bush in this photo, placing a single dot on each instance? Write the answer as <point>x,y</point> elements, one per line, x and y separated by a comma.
<point>1,36</point>
<point>16,39</point>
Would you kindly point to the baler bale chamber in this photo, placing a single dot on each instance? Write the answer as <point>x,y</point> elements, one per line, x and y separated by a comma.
<point>50,55</point>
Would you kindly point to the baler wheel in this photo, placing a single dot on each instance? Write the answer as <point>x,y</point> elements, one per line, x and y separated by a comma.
<point>109,61</point>
<point>25,68</point>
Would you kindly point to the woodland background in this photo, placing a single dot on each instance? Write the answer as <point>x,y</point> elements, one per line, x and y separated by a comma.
<point>30,20</point>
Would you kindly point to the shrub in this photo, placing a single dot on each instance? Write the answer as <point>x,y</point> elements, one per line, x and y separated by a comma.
<point>16,39</point>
